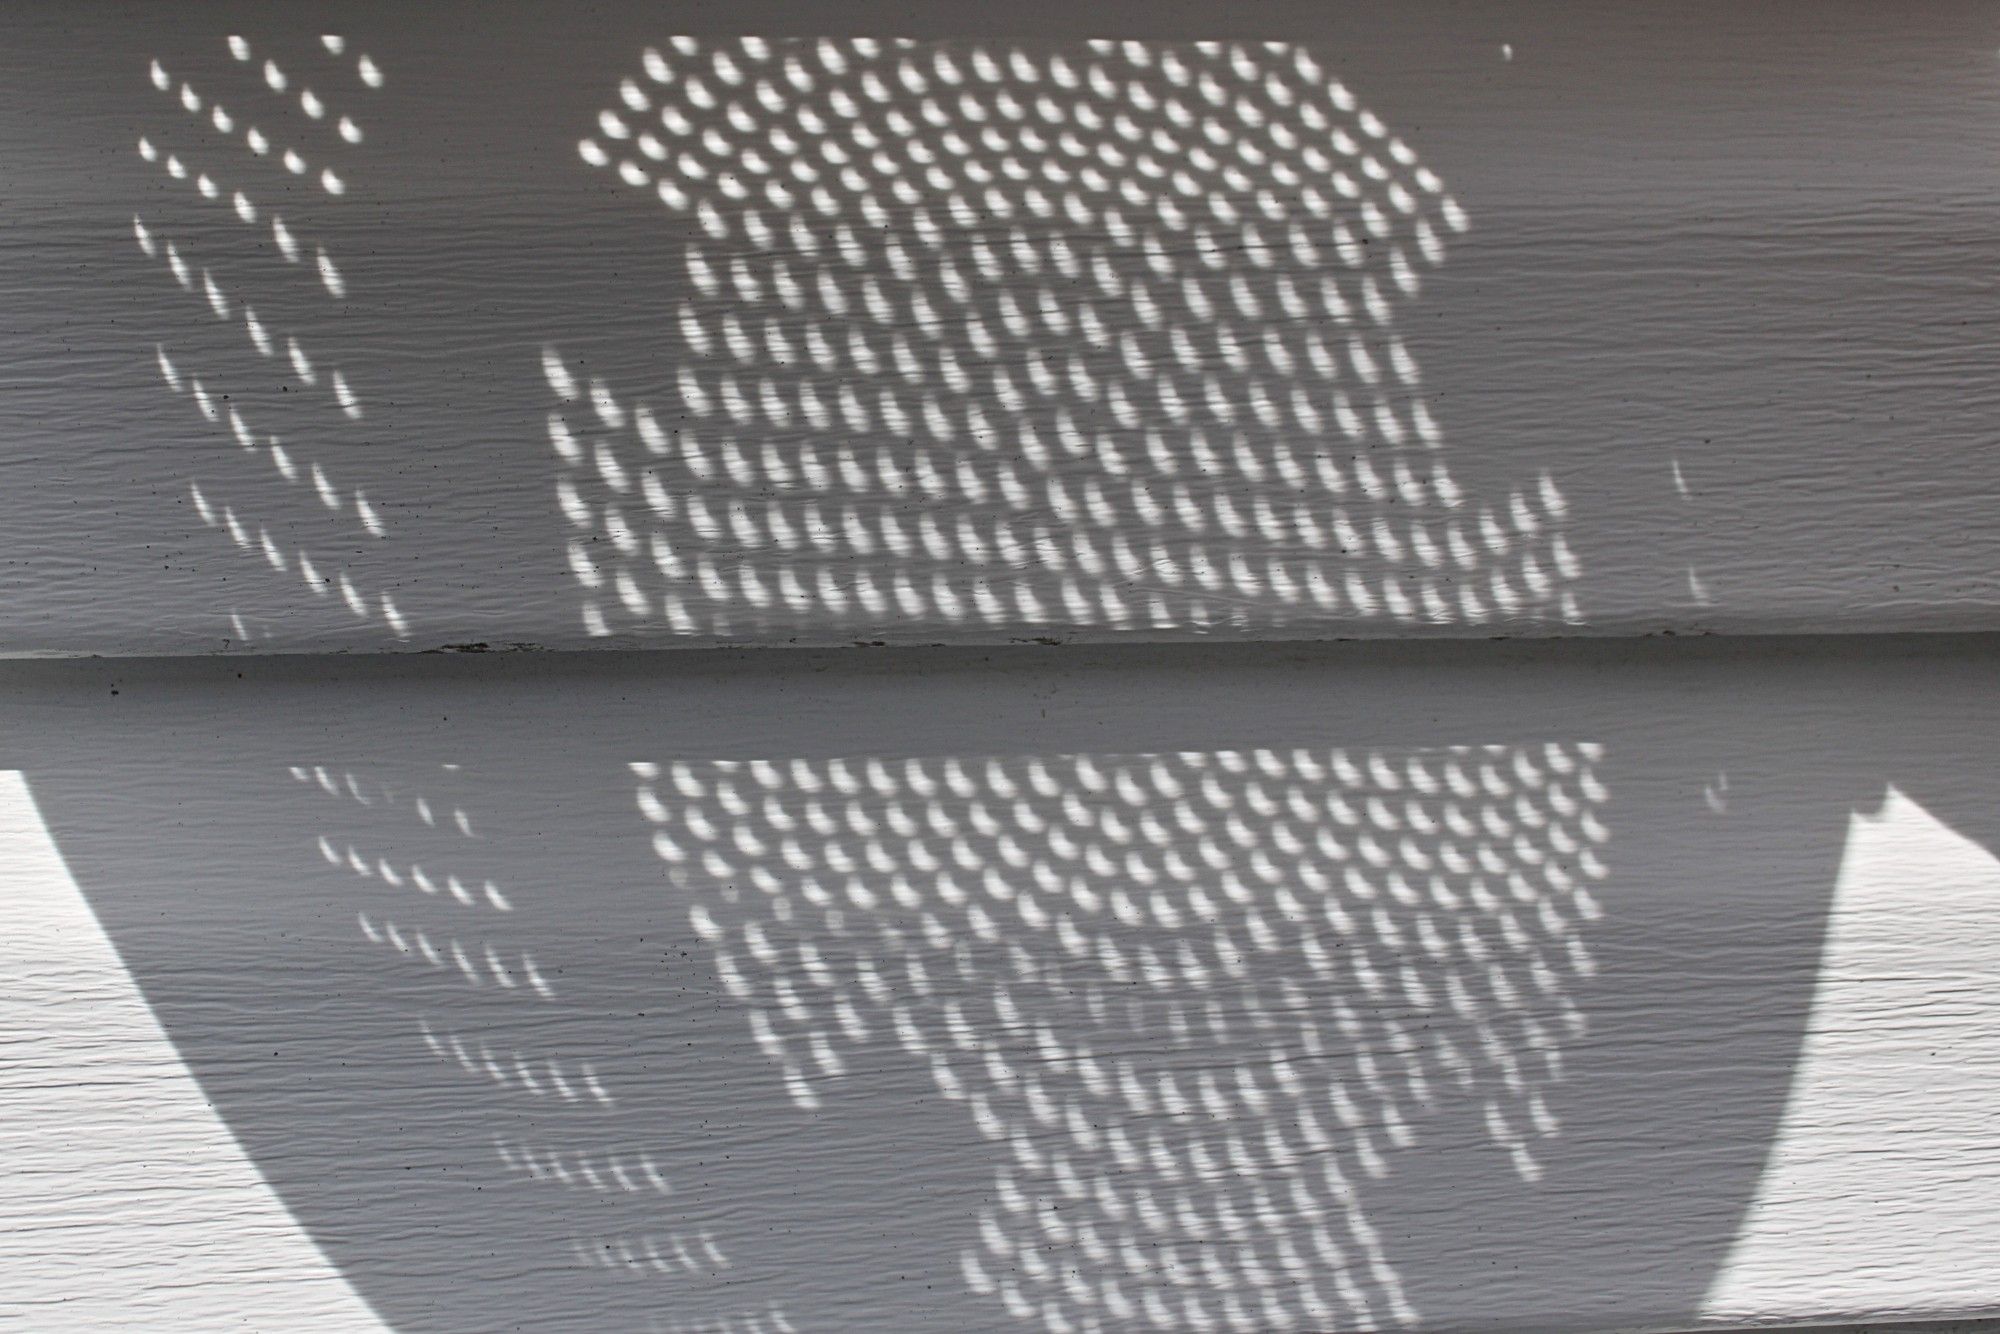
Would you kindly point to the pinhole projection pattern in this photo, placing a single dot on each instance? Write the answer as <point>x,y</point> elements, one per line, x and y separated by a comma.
<point>1198,1003</point>
<point>243,134</point>
<point>432,890</point>
<point>1011,339</point>
<point>439,915</point>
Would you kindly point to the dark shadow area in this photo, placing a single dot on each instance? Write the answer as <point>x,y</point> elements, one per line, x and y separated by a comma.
<point>1248,988</point>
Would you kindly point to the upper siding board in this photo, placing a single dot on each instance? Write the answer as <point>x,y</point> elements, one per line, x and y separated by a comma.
<point>1460,321</point>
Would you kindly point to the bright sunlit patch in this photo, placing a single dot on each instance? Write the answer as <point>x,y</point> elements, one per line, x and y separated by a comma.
<point>170,1209</point>
<point>1903,1043</point>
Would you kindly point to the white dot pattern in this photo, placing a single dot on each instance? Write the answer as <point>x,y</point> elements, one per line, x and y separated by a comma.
<point>1197,1002</point>
<point>1018,339</point>
<point>234,137</point>
<point>432,890</point>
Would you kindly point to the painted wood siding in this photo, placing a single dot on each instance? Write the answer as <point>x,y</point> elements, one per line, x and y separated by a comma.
<point>1553,988</point>
<point>1468,321</point>
<point>944,937</point>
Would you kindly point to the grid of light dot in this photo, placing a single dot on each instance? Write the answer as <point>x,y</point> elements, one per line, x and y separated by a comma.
<point>236,136</point>
<point>1196,1002</point>
<point>436,894</point>
<point>1014,338</point>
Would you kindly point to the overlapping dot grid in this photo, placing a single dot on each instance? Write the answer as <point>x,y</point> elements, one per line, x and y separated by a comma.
<point>433,891</point>
<point>1017,338</point>
<point>1196,1002</point>
<point>233,140</point>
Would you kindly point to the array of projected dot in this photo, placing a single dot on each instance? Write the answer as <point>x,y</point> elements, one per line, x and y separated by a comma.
<point>439,900</point>
<point>999,337</point>
<point>242,127</point>
<point>1196,1002</point>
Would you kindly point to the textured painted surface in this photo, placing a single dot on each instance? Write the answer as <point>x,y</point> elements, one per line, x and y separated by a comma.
<point>1250,988</point>
<point>1234,988</point>
<point>126,1201</point>
<point>1908,959</point>
<point>1290,322</point>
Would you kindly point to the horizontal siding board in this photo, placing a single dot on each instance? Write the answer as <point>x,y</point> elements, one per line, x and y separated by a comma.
<point>1709,354</point>
<point>1620,985</point>
<point>127,1199</point>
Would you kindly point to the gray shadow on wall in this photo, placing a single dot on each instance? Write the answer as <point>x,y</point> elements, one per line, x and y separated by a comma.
<point>1254,987</point>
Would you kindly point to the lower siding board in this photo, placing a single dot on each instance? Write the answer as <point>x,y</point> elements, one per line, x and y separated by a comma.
<point>1642,986</point>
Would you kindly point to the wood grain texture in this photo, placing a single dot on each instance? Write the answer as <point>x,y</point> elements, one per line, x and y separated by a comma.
<point>1245,987</point>
<point>1577,987</point>
<point>1464,321</point>
<point>127,1201</point>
